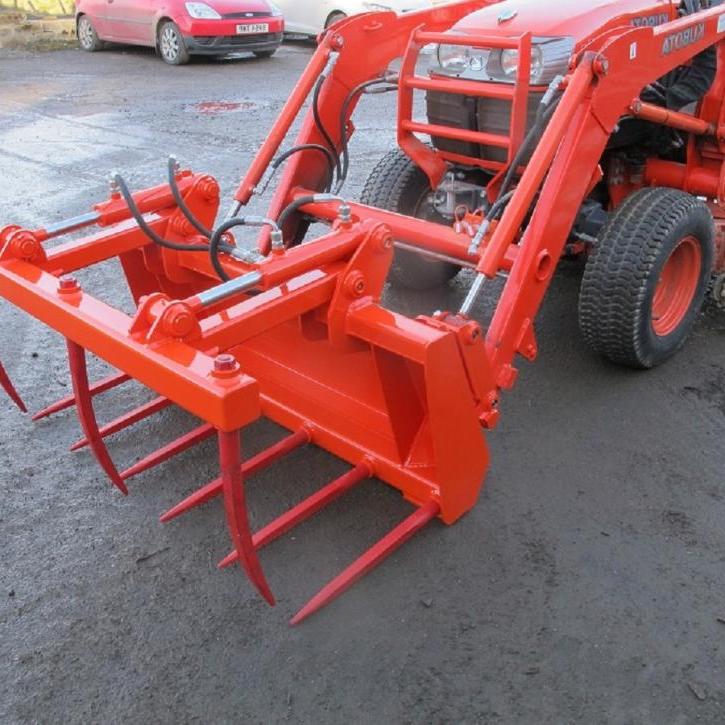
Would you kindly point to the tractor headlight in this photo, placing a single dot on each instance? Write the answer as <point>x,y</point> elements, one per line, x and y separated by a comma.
<point>202,11</point>
<point>549,58</point>
<point>458,59</point>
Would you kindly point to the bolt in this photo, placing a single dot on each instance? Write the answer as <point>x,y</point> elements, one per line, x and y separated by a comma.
<point>182,226</point>
<point>472,333</point>
<point>25,244</point>
<point>67,284</point>
<point>386,243</point>
<point>356,283</point>
<point>225,363</point>
<point>209,188</point>
<point>277,240</point>
<point>344,214</point>
<point>601,65</point>
<point>179,320</point>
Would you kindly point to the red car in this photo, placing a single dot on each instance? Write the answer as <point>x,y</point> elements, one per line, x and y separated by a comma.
<point>178,29</point>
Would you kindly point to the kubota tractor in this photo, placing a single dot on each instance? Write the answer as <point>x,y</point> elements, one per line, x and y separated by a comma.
<point>559,130</point>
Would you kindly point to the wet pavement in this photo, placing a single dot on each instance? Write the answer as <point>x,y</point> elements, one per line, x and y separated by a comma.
<point>588,585</point>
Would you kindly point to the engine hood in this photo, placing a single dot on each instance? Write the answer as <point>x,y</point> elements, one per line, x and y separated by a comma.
<point>579,19</point>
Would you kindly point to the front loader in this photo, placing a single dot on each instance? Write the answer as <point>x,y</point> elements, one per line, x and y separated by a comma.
<point>589,130</point>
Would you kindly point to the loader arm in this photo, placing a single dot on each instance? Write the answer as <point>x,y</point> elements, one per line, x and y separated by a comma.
<point>358,49</point>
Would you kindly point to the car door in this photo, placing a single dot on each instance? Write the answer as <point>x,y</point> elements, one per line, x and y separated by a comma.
<point>303,16</point>
<point>131,21</point>
<point>96,11</point>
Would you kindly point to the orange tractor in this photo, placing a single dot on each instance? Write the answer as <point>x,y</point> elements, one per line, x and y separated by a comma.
<point>579,129</point>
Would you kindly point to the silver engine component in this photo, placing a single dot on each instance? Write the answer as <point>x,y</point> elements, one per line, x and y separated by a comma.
<point>454,193</point>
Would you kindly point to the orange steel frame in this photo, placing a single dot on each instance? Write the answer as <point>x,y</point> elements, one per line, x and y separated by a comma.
<point>307,343</point>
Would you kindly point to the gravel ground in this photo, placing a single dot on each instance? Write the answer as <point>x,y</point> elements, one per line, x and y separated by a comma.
<point>586,587</point>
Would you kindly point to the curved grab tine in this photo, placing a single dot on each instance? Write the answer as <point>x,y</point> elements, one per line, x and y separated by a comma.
<point>235,507</point>
<point>9,388</point>
<point>87,416</point>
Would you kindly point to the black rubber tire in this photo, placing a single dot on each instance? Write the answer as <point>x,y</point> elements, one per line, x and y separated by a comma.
<point>397,184</point>
<point>334,18</point>
<point>623,271</point>
<point>88,39</point>
<point>176,53</point>
<point>264,53</point>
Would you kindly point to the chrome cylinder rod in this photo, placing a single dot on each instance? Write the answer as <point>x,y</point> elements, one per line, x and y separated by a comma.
<point>232,287</point>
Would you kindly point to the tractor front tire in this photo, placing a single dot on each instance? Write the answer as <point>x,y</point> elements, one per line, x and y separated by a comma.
<point>646,279</point>
<point>397,184</point>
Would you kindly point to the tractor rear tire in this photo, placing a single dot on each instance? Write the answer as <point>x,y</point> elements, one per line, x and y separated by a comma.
<point>646,279</point>
<point>397,184</point>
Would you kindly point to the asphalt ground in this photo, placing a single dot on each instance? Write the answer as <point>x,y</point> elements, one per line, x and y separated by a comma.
<point>587,586</point>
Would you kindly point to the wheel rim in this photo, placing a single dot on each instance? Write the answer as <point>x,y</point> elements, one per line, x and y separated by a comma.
<point>169,44</point>
<point>85,33</point>
<point>676,287</point>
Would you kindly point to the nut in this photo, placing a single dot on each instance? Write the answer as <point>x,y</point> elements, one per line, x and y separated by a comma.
<point>68,284</point>
<point>355,283</point>
<point>225,365</point>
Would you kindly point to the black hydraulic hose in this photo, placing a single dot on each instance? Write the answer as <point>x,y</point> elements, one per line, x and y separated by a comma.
<point>343,121</point>
<point>321,126</point>
<point>215,245</point>
<point>498,206</point>
<point>309,147</point>
<point>182,204</point>
<point>293,208</point>
<point>542,118</point>
<point>146,229</point>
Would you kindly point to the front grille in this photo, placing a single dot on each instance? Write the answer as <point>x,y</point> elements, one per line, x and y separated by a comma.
<point>213,41</point>
<point>488,115</point>
<point>242,16</point>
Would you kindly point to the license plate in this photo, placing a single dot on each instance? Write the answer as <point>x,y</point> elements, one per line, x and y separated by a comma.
<point>252,28</point>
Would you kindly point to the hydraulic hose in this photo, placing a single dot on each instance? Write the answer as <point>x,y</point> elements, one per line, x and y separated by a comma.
<point>306,147</point>
<point>297,204</point>
<point>321,126</point>
<point>361,88</point>
<point>181,203</point>
<point>543,117</point>
<point>215,245</point>
<point>146,229</point>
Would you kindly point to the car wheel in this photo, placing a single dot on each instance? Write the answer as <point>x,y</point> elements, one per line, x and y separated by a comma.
<point>646,278</point>
<point>172,47</point>
<point>88,38</point>
<point>264,53</point>
<point>334,18</point>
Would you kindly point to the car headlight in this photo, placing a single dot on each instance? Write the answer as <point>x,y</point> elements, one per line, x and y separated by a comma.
<point>202,11</point>
<point>549,58</point>
<point>274,11</point>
